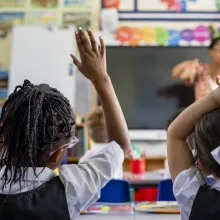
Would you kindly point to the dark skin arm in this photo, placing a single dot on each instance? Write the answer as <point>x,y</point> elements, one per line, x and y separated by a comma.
<point>93,67</point>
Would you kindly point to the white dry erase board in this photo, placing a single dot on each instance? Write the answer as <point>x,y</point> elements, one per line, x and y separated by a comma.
<point>43,56</point>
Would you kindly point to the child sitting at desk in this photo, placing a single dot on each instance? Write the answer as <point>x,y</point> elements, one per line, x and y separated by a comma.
<point>199,127</point>
<point>95,123</point>
<point>37,127</point>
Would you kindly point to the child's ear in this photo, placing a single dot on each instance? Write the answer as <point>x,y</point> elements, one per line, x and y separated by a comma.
<point>56,158</point>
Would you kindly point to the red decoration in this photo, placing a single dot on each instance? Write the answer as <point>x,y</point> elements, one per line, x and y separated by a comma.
<point>170,3</point>
<point>111,3</point>
<point>124,34</point>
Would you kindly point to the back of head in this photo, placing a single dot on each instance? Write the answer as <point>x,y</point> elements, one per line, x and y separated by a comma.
<point>35,120</point>
<point>96,125</point>
<point>205,138</point>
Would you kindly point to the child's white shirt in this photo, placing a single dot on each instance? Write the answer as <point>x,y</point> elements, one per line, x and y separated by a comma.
<point>96,147</point>
<point>186,187</point>
<point>82,182</point>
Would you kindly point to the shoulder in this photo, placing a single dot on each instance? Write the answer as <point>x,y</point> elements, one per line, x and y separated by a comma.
<point>84,181</point>
<point>186,187</point>
<point>111,151</point>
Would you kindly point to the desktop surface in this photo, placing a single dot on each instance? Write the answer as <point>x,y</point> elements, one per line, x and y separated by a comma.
<point>136,216</point>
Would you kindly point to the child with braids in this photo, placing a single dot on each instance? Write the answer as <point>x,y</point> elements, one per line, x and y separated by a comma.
<point>37,128</point>
<point>197,128</point>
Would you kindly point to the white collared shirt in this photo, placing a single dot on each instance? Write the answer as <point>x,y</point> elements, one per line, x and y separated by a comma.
<point>82,182</point>
<point>186,187</point>
<point>96,147</point>
<point>212,83</point>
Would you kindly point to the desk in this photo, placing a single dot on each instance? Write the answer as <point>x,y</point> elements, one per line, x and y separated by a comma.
<point>146,180</point>
<point>136,216</point>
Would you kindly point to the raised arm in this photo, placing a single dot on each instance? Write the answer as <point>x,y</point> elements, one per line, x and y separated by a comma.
<point>93,67</point>
<point>187,70</point>
<point>179,155</point>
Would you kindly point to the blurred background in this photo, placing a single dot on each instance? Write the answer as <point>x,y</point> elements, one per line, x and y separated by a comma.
<point>145,40</point>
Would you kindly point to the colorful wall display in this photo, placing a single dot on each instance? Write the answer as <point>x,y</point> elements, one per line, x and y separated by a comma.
<point>124,34</point>
<point>202,34</point>
<point>165,5</point>
<point>46,12</point>
<point>8,19</point>
<point>44,3</point>
<point>218,4</point>
<point>42,17</point>
<point>160,36</point>
<point>77,3</point>
<point>111,3</point>
<point>187,34</point>
<point>149,35</point>
<point>174,37</point>
<point>172,5</point>
<point>78,19</point>
<point>12,3</point>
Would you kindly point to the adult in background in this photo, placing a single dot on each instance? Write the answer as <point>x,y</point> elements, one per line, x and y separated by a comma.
<point>201,75</point>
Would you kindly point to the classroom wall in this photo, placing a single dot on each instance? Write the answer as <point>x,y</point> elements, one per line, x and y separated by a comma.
<point>132,13</point>
<point>143,17</point>
<point>84,13</point>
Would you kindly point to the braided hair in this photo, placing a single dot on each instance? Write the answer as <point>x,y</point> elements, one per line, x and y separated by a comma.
<point>34,119</point>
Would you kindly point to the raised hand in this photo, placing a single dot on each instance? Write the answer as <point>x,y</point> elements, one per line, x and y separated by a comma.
<point>188,70</point>
<point>93,60</point>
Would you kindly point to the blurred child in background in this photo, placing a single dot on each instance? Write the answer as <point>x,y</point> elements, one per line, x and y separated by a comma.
<point>95,123</point>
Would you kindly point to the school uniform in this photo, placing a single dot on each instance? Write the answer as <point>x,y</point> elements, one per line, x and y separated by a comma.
<point>60,197</point>
<point>96,147</point>
<point>197,200</point>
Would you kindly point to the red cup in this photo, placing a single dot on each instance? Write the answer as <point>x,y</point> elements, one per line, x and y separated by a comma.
<point>138,166</point>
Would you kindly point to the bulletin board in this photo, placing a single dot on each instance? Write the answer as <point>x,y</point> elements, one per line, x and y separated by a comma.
<point>169,10</point>
<point>40,13</point>
<point>167,22</point>
<point>171,5</point>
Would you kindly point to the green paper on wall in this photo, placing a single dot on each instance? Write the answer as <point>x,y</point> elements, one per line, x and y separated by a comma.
<point>162,36</point>
<point>218,4</point>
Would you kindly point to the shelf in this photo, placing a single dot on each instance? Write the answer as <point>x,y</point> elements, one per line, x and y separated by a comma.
<point>152,163</point>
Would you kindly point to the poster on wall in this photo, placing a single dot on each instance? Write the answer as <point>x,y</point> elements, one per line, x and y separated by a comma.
<point>82,20</point>
<point>81,4</point>
<point>3,87</point>
<point>12,3</point>
<point>43,17</point>
<point>8,19</point>
<point>44,3</point>
<point>177,5</point>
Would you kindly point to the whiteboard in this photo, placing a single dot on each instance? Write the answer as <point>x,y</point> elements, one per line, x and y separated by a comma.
<point>43,56</point>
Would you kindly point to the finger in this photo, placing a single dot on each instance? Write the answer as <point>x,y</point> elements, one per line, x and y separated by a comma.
<point>102,46</point>
<point>85,42</point>
<point>79,43</point>
<point>76,61</point>
<point>93,41</point>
